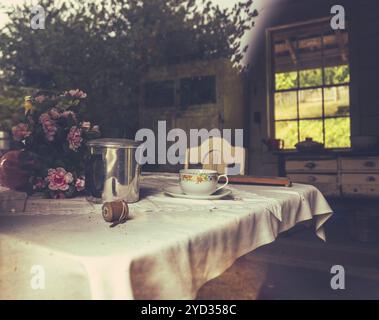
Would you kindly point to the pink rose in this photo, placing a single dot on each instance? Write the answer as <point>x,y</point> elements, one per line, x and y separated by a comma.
<point>44,117</point>
<point>40,98</point>
<point>59,179</point>
<point>67,114</point>
<point>20,132</point>
<point>77,94</point>
<point>48,126</point>
<point>39,183</point>
<point>74,138</point>
<point>54,113</point>
<point>80,183</point>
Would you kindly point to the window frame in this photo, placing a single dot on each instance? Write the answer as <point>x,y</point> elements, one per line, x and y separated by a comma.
<point>271,90</point>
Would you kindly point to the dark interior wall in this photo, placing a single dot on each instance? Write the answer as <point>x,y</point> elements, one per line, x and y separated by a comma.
<point>364,52</point>
<point>362,18</point>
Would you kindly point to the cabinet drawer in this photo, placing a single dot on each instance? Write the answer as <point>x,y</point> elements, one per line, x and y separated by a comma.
<point>313,178</point>
<point>364,190</point>
<point>326,183</point>
<point>360,178</point>
<point>311,165</point>
<point>360,184</point>
<point>360,164</point>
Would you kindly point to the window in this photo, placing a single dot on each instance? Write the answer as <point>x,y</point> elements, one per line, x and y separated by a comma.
<point>183,92</point>
<point>310,84</point>
<point>197,90</point>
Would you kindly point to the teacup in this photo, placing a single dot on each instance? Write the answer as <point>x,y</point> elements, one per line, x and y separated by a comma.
<point>200,181</point>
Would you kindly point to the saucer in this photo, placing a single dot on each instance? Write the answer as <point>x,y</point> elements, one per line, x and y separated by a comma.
<point>178,193</point>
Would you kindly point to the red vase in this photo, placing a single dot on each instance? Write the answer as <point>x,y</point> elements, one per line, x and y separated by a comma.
<point>11,173</point>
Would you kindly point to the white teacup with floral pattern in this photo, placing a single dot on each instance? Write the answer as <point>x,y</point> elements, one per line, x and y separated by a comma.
<point>200,181</point>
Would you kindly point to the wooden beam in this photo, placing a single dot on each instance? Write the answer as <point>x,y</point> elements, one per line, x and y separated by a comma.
<point>341,45</point>
<point>309,43</point>
<point>292,51</point>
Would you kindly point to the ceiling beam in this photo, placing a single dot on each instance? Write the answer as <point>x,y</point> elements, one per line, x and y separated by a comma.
<point>292,51</point>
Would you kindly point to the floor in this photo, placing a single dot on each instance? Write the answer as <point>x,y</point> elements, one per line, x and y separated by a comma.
<point>297,265</point>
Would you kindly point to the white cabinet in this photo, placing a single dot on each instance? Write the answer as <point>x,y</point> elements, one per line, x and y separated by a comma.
<point>357,184</point>
<point>369,164</point>
<point>342,175</point>
<point>322,173</point>
<point>312,166</point>
<point>360,176</point>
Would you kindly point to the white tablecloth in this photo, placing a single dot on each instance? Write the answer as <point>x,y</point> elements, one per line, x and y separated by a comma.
<point>168,250</point>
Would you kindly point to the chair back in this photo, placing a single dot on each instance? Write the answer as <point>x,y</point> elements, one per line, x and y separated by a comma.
<point>217,154</point>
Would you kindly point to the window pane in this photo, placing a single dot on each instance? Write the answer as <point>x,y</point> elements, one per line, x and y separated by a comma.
<point>337,74</point>
<point>287,131</point>
<point>197,90</point>
<point>337,101</point>
<point>285,62</point>
<point>285,80</point>
<point>337,133</point>
<point>310,103</point>
<point>311,129</point>
<point>286,105</point>
<point>310,78</point>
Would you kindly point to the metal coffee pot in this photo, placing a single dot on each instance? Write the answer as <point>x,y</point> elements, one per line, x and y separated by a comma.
<point>113,172</point>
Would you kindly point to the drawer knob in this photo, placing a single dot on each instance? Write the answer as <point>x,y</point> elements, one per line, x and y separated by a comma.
<point>310,165</point>
<point>312,178</point>
<point>369,164</point>
<point>370,179</point>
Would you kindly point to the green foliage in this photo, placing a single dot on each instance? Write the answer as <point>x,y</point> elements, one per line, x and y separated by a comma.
<point>337,132</point>
<point>311,129</point>
<point>285,80</point>
<point>312,77</point>
<point>287,131</point>
<point>105,47</point>
<point>337,74</point>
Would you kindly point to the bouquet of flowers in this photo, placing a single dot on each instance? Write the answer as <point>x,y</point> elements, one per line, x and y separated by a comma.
<point>53,139</point>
